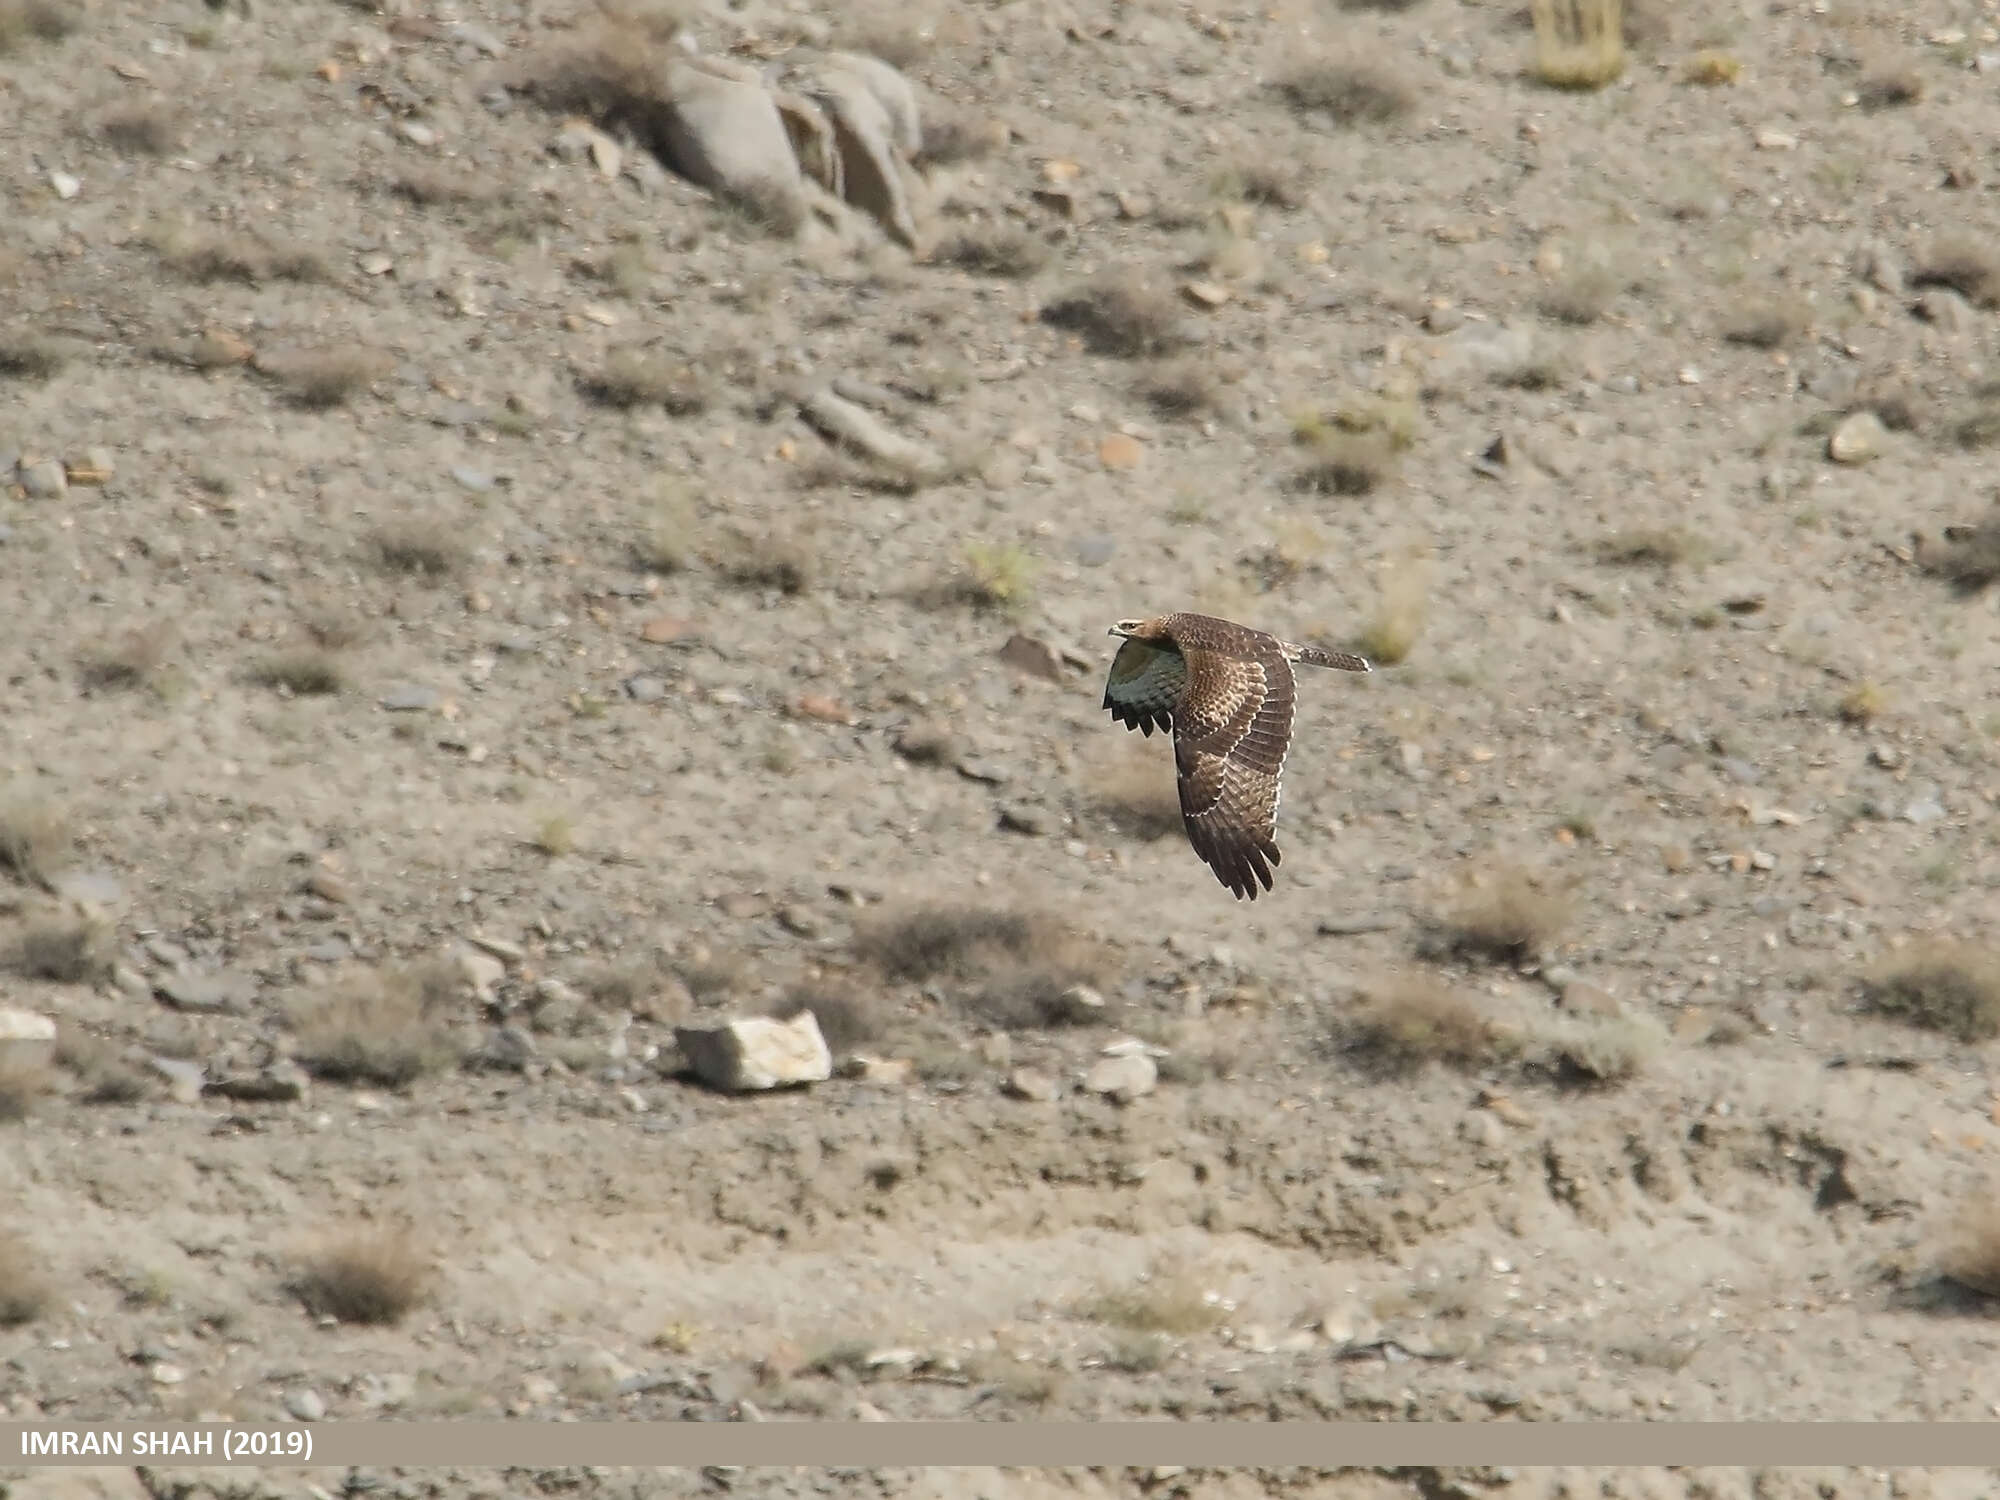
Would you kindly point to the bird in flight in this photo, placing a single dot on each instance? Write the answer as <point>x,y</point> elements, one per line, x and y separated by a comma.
<point>1227,694</point>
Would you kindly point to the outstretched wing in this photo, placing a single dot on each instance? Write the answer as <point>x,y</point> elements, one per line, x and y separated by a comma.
<point>1233,730</point>
<point>1144,684</point>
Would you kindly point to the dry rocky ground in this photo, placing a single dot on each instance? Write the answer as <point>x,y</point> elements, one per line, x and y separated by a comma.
<point>444,653</point>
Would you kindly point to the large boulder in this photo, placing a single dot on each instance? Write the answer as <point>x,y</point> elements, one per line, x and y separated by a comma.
<point>757,1052</point>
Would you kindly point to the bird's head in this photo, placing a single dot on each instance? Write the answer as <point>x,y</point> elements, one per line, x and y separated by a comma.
<point>1130,628</point>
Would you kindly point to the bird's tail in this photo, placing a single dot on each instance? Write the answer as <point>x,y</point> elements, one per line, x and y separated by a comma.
<point>1319,656</point>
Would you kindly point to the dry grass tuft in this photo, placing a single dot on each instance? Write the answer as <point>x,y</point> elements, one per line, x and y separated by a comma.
<point>25,1293</point>
<point>1401,608</point>
<point>373,1276</point>
<point>1969,266</point>
<point>23,1085</point>
<point>425,546</point>
<point>631,378</point>
<point>1864,703</point>
<point>1141,796</point>
<point>38,20</point>
<point>666,543</point>
<point>1408,1021</point>
<point>143,129</point>
<point>127,659</point>
<point>1942,986</point>
<point>1011,969</point>
<point>68,949</point>
<point>768,558</point>
<point>1181,388</point>
<point>1507,913</point>
<point>1348,91</point>
<point>991,576</point>
<point>1711,68</point>
<point>1000,250</point>
<point>1968,556</point>
<point>1971,1255</point>
<point>386,1028</point>
<point>1598,1050</point>
<point>1769,320</point>
<point>206,255</point>
<point>1580,295</point>
<point>32,356</point>
<point>951,138</point>
<point>34,837</point>
<point>1346,463</point>
<point>432,186</point>
<point>304,673</point>
<point>1889,88</point>
<point>1651,547</point>
<point>1579,44</point>
<point>554,835</point>
<point>849,1016</point>
<point>1120,313</point>
<point>318,379</point>
<point>1172,1305</point>
<point>96,1065</point>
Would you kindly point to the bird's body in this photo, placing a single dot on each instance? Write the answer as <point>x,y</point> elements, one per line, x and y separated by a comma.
<point>1227,694</point>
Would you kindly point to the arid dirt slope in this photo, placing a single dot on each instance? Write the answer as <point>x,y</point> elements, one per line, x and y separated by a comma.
<point>371,623</point>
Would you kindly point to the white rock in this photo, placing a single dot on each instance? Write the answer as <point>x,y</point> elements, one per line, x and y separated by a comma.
<point>724,131</point>
<point>27,1038</point>
<point>757,1052</point>
<point>1123,1079</point>
<point>1857,439</point>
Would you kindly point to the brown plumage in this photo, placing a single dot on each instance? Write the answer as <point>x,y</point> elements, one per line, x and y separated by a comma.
<point>1227,694</point>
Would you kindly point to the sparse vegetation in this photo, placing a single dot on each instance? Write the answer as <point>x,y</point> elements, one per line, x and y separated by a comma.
<point>426,546</point>
<point>22,1087</point>
<point>104,1076</point>
<point>31,356</point>
<point>1120,313</point>
<point>1348,91</point>
<point>1971,1254</point>
<point>25,1293</point>
<point>38,20</point>
<point>304,673</point>
<point>1012,969</point>
<point>998,250</point>
<point>1598,1050</point>
<point>848,1016</point>
<point>775,558</point>
<point>994,577</point>
<point>1345,463</point>
<point>125,660</point>
<point>369,1275</point>
<point>1711,68</point>
<point>1140,795</point>
<point>1968,556</point>
<point>1864,703</point>
<point>66,949</point>
<point>1172,1304</point>
<point>34,836</point>
<point>632,377</point>
<point>1180,388</point>
<point>1402,605</point>
<point>1409,1020</point>
<point>554,835</point>
<point>203,255</point>
<point>1967,265</point>
<point>1766,321</point>
<point>1652,547</point>
<point>324,377</point>
<point>144,129</point>
<point>1507,913</point>
<point>1581,294</point>
<point>385,1028</point>
<point>1952,987</point>
<point>1579,44</point>
<point>1889,87</point>
<point>953,138</point>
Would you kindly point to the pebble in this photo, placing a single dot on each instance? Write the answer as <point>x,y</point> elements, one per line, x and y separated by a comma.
<point>1021,818</point>
<point>165,1374</point>
<point>1035,657</point>
<point>375,1392</point>
<point>1924,808</point>
<point>1123,1079</point>
<point>507,1049</point>
<point>221,993</point>
<point>476,480</point>
<point>184,1079</point>
<point>645,689</point>
<point>1095,550</point>
<point>305,1403</point>
<point>1857,439</point>
<point>66,185</point>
